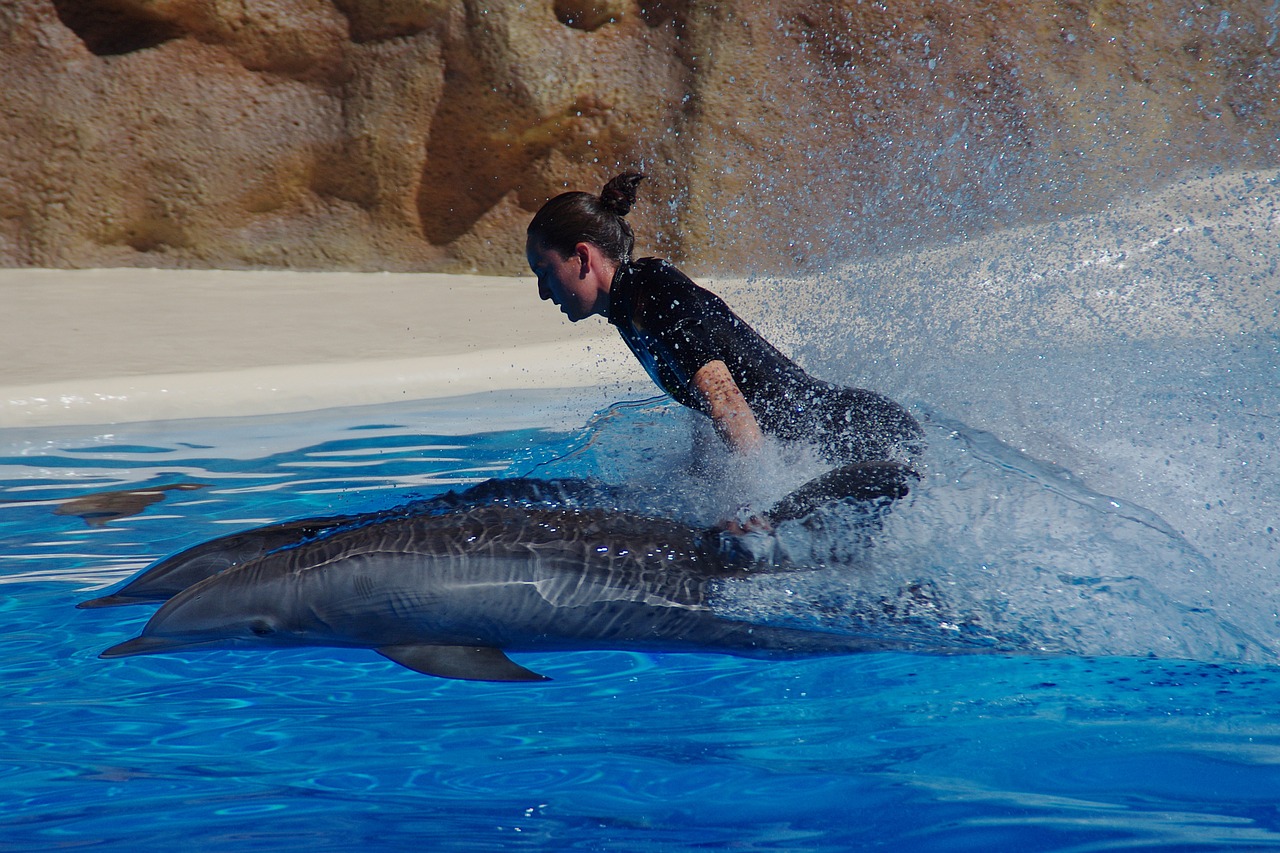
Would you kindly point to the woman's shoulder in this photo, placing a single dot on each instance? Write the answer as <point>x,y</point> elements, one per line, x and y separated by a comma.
<point>659,277</point>
<point>657,268</point>
<point>660,288</point>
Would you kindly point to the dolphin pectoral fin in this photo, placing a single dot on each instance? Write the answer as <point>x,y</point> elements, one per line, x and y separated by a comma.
<point>472,663</point>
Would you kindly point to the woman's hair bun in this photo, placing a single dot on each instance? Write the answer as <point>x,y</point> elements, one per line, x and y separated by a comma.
<point>619,195</point>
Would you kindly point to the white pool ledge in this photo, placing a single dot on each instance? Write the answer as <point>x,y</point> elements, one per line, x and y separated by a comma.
<point>83,347</point>
<point>297,388</point>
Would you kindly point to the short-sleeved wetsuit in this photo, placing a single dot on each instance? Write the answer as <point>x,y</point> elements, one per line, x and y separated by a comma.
<point>675,328</point>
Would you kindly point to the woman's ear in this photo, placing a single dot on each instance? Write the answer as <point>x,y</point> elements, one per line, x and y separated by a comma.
<point>582,252</point>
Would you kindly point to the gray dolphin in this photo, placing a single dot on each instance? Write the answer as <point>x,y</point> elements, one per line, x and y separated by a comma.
<point>172,574</point>
<point>167,577</point>
<point>450,594</point>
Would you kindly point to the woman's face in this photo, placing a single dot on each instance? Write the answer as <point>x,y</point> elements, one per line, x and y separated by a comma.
<point>573,283</point>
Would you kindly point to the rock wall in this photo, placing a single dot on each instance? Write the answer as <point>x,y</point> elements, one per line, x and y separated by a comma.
<point>422,134</point>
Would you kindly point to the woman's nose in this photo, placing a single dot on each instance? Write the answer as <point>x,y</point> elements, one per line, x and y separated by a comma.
<point>544,292</point>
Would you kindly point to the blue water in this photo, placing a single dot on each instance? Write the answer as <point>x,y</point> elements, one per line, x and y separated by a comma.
<point>1078,741</point>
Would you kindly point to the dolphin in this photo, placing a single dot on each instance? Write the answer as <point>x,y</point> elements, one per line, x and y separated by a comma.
<point>451,594</point>
<point>864,482</point>
<point>171,575</point>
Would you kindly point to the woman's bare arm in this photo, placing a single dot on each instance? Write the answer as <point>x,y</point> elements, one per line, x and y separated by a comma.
<point>732,417</point>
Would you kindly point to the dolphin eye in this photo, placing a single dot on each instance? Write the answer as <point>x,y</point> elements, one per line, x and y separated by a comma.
<point>261,629</point>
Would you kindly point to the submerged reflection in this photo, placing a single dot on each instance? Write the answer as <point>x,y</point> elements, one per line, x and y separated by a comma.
<point>100,508</point>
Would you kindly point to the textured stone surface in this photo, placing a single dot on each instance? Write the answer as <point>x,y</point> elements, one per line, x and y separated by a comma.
<point>421,134</point>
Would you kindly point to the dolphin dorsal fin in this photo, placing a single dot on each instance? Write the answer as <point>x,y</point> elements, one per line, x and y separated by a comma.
<point>472,663</point>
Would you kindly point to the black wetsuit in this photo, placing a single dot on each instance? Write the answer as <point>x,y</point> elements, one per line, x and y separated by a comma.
<point>675,327</point>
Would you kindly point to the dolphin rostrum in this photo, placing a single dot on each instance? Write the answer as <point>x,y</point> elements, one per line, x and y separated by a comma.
<point>449,594</point>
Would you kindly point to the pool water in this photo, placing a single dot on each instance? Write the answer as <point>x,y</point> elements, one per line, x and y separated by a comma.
<point>1079,741</point>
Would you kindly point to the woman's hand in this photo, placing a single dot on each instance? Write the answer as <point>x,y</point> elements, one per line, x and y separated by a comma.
<point>753,523</point>
<point>732,417</point>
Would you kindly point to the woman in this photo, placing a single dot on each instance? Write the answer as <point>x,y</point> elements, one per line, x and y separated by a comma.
<point>695,348</point>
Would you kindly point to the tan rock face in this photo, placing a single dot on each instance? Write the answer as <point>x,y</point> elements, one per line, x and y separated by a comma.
<point>422,134</point>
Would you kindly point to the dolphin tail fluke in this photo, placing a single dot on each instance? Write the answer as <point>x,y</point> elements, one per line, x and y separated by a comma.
<point>471,663</point>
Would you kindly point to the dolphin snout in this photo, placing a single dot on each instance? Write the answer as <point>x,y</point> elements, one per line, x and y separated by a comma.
<point>147,646</point>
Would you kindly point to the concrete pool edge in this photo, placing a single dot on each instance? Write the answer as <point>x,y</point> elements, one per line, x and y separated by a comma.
<point>286,389</point>
<point>130,345</point>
